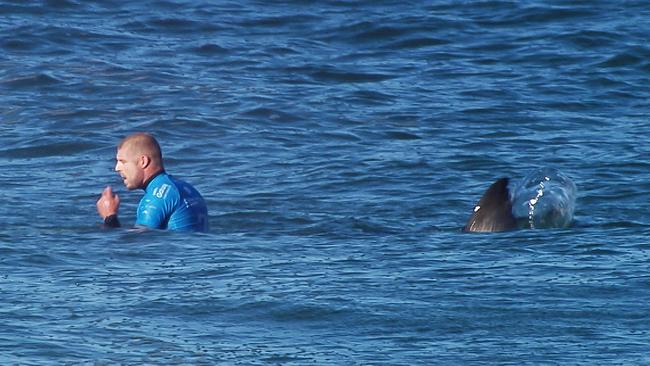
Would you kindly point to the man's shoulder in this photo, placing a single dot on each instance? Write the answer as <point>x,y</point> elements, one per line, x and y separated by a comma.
<point>184,186</point>
<point>163,188</point>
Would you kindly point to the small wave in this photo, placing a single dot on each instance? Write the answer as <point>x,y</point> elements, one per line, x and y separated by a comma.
<point>413,43</point>
<point>39,259</point>
<point>272,114</point>
<point>590,39</point>
<point>19,45</point>
<point>401,135</point>
<point>368,32</point>
<point>518,16</point>
<point>58,4</point>
<point>371,97</point>
<point>31,81</point>
<point>209,49</point>
<point>172,25</point>
<point>335,75</point>
<point>280,21</point>
<point>340,136</point>
<point>646,67</point>
<point>53,149</point>
<point>371,227</point>
<point>625,59</point>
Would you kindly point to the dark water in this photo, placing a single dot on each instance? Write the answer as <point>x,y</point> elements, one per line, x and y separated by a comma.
<point>341,146</point>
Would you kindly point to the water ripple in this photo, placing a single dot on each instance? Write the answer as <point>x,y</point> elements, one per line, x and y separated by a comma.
<point>341,148</point>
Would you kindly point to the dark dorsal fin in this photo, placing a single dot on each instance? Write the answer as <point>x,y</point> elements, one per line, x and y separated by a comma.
<point>494,210</point>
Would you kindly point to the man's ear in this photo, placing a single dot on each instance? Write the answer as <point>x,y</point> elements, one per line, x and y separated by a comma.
<point>144,161</point>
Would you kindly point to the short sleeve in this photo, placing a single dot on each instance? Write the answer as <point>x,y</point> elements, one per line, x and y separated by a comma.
<point>151,213</point>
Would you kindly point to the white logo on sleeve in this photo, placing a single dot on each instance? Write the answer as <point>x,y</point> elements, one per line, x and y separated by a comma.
<point>161,192</point>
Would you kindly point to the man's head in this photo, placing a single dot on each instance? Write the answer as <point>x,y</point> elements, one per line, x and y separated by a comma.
<point>138,159</point>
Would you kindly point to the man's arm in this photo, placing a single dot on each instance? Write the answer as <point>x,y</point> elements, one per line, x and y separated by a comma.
<point>152,213</point>
<point>107,206</point>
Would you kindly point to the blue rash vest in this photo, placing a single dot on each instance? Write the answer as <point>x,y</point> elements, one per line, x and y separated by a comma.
<point>169,203</point>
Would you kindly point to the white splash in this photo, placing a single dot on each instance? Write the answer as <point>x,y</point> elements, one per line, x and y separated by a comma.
<point>533,201</point>
<point>543,199</point>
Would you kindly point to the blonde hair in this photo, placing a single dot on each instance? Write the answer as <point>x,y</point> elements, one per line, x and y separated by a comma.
<point>144,144</point>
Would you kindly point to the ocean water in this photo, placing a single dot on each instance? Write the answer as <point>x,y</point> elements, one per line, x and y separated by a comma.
<point>341,146</point>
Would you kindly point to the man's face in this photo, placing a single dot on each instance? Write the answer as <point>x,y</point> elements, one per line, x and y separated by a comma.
<point>129,169</point>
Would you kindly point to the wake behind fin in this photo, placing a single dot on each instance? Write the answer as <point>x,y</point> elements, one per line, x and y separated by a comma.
<point>494,211</point>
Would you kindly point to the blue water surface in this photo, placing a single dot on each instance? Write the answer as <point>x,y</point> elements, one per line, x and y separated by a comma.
<point>341,146</point>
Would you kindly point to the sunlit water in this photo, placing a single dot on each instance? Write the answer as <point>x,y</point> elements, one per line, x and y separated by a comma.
<point>341,147</point>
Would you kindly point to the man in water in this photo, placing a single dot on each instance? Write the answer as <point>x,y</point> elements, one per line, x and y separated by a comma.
<point>168,203</point>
